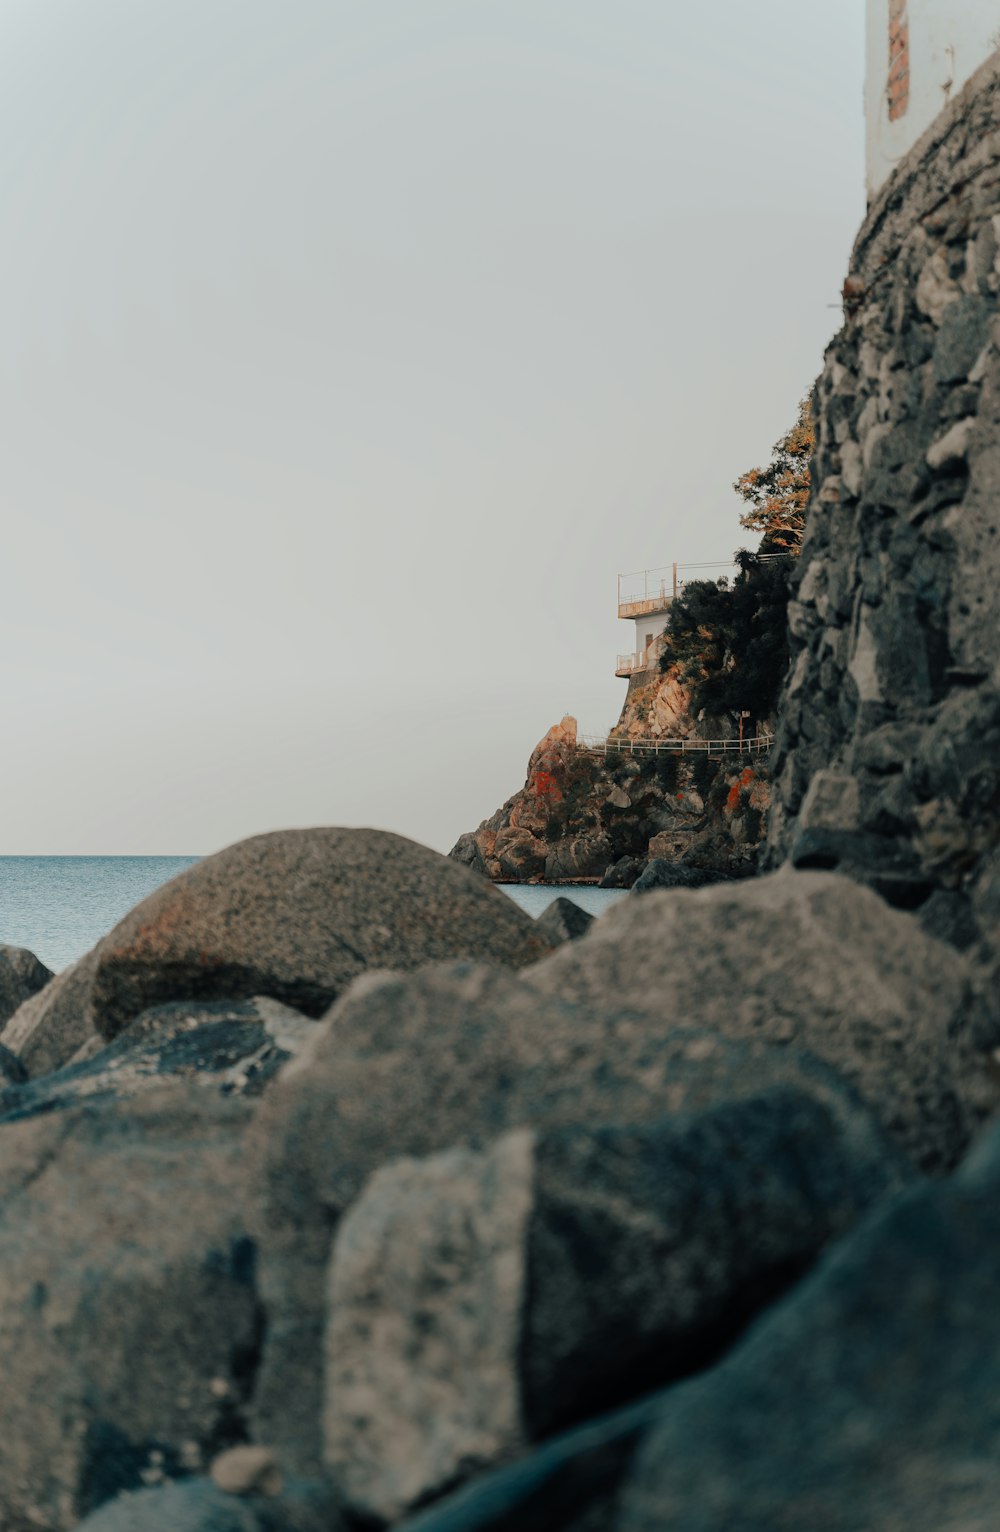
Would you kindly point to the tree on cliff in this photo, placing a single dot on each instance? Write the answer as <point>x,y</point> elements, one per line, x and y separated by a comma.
<point>779,494</point>
<point>729,642</point>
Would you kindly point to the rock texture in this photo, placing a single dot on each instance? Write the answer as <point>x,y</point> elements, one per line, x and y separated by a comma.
<point>199,1505</point>
<point>49,1028</point>
<point>888,756</point>
<point>235,1047</point>
<point>564,921</point>
<point>868,1399</point>
<point>808,958</point>
<point>129,1318</point>
<point>296,915</point>
<point>452,1056</point>
<point>21,976</point>
<point>592,817</point>
<point>478,1301</point>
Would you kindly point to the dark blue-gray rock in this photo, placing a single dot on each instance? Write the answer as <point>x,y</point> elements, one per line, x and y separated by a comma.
<point>466,851</point>
<point>52,1025</point>
<point>868,1398</point>
<point>11,1069</point>
<point>810,958</point>
<point>894,677</point>
<point>130,1321</point>
<point>453,1057</point>
<point>569,1485</point>
<point>623,873</point>
<point>479,1301</point>
<point>659,873</point>
<point>235,1047</point>
<point>21,976</point>
<point>564,921</point>
<point>198,1505</point>
<point>296,915</point>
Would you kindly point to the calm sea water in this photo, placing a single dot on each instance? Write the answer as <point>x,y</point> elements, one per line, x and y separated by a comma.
<point>59,906</point>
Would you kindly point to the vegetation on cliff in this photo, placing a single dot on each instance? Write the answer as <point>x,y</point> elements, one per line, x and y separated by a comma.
<point>728,642</point>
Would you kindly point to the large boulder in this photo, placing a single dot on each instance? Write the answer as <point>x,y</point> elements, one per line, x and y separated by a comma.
<point>809,958</point>
<point>130,1322</point>
<point>869,1398</point>
<point>21,976</point>
<point>52,1025</point>
<point>296,915</point>
<point>479,1300</point>
<point>452,1056</point>
<point>234,1046</point>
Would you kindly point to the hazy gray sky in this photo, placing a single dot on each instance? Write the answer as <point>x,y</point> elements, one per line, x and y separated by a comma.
<point>350,350</point>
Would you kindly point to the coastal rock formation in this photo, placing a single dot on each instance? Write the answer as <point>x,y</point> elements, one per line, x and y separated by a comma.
<point>465,1290</point>
<point>585,816</point>
<point>55,1023</point>
<point>809,959</point>
<point>453,1056</point>
<point>234,1046</point>
<point>296,915</point>
<point>865,1398</point>
<point>888,756</point>
<point>21,976</point>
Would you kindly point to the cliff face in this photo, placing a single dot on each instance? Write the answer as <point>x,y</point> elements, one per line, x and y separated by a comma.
<point>582,815</point>
<point>888,755</point>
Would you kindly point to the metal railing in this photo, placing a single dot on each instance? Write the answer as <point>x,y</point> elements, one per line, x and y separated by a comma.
<point>628,664</point>
<point>593,744</point>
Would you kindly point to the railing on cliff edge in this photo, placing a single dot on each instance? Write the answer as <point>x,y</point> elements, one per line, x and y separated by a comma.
<point>592,744</point>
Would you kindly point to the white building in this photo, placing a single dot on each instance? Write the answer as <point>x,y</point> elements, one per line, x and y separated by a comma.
<point>919,55</point>
<point>644,598</point>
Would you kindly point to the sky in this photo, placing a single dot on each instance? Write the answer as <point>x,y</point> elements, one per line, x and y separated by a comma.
<point>350,349</point>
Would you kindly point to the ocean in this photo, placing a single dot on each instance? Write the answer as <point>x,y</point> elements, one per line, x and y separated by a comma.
<point>59,906</point>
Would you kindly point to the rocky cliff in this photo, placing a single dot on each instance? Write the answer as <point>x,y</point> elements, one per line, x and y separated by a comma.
<point>888,755</point>
<point>588,815</point>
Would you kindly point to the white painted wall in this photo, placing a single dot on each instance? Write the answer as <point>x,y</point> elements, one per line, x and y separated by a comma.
<point>654,623</point>
<point>949,39</point>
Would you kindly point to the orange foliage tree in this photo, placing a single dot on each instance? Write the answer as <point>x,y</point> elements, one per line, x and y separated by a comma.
<point>778,494</point>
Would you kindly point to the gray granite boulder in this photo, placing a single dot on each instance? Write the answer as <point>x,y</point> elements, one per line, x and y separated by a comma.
<point>811,959</point>
<point>130,1321</point>
<point>478,1301</point>
<point>52,1025</point>
<point>12,1071</point>
<point>296,915</point>
<point>21,976</point>
<point>234,1046</point>
<point>564,921</point>
<point>451,1057</point>
<point>869,1398</point>
<point>198,1505</point>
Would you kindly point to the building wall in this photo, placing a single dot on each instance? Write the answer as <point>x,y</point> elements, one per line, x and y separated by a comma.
<point>919,55</point>
<point>653,623</point>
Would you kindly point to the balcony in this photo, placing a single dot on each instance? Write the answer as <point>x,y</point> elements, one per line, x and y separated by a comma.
<point>630,664</point>
<point>646,592</point>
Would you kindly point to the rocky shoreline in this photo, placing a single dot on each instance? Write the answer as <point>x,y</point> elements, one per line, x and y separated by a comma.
<point>337,1194</point>
<point>614,819</point>
<point>367,1201</point>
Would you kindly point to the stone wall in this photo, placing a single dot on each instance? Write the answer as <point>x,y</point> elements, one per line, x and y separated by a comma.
<point>888,757</point>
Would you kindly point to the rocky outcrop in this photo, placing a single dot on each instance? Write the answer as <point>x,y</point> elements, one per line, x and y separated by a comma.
<point>49,1028</point>
<point>233,1046</point>
<point>588,816</point>
<point>296,915</point>
<point>21,976</point>
<point>452,1057</point>
<point>808,959</point>
<point>465,1290</point>
<point>888,757</point>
